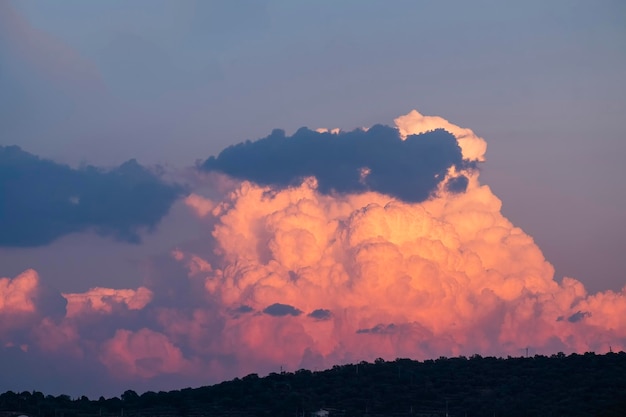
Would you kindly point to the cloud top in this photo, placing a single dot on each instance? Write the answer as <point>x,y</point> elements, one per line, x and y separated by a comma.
<point>414,123</point>
<point>377,159</point>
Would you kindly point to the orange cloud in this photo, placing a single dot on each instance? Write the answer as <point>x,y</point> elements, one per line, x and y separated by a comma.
<point>298,278</point>
<point>20,308</point>
<point>414,123</point>
<point>17,295</point>
<point>450,275</point>
<point>25,310</point>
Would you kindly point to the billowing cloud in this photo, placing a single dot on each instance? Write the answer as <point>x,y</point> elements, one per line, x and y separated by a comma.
<point>43,200</point>
<point>296,276</point>
<point>450,275</point>
<point>24,303</point>
<point>144,353</point>
<point>376,159</point>
<point>17,295</point>
<point>414,123</point>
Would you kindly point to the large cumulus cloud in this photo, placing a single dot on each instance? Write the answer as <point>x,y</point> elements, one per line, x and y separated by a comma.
<point>42,200</point>
<point>296,276</point>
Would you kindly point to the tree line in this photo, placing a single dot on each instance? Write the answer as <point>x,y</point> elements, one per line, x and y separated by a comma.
<point>558,385</point>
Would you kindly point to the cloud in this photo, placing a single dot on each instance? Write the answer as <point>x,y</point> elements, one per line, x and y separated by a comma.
<point>379,329</point>
<point>201,205</point>
<point>45,200</point>
<point>447,275</point>
<point>24,303</point>
<point>414,123</point>
<point>242,309</point>
<point>321,314</point>
<point>17,295</point>
<point>376,159</point>
<point>457,184</point>
<point>144,353</point>
<point>278,310</point>
<point>104,300</point>
<point>379,276</point>
<point>577,316</point>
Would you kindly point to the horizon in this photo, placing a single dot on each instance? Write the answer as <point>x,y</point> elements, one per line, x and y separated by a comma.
<point>281,371</point>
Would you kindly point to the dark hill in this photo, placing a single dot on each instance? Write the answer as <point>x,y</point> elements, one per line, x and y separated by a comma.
<point>559,385</point>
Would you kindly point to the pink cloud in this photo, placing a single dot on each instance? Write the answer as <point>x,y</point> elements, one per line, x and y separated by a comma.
<point>144,353</point>
<point>17,295</point>
<point>297,278</point>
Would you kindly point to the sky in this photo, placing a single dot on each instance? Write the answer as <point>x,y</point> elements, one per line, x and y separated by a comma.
<point>177,208</point>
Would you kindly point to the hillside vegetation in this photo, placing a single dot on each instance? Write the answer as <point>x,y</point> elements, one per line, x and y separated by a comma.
<point>559,385</point>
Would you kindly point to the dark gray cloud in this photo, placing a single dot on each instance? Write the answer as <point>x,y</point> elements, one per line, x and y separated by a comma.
<point>457,184</point>
<point>41,200</point>
<point>578,316</point>
<point>320,314</point>
<point>242,309</point>
<point>279,310</point>
<point>377,159</point>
